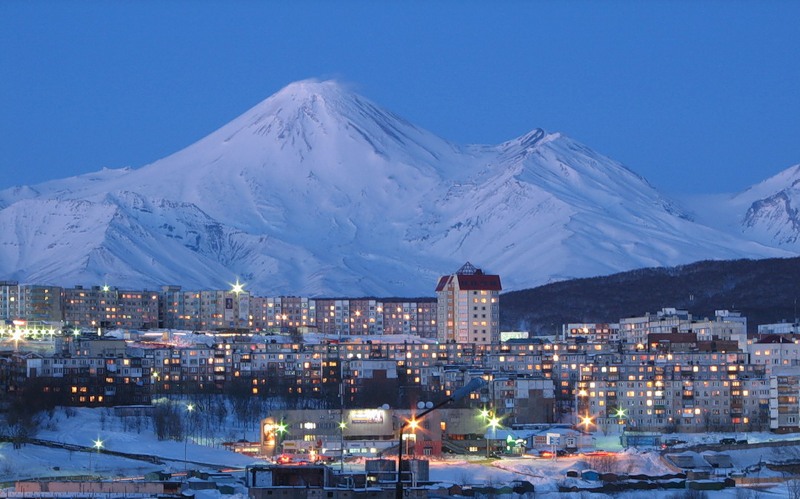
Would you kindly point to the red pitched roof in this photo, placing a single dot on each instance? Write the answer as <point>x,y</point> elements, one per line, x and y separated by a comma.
<point>479,282</point>
<point>471,278</point>
<point>442,282</point>
<point>472,282</point>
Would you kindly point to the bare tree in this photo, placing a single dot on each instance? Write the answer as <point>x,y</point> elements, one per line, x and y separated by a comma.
<point>792,483</point>
<point>604,464</point>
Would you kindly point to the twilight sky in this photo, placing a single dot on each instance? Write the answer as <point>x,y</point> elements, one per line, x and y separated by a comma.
<point>697,97</point>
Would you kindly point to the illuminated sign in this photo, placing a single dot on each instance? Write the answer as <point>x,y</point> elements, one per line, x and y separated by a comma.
<point>367,416</point>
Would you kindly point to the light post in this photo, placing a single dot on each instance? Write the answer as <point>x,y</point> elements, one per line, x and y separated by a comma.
<point>494,422</point>
<point>16,336</point>
<point>485,415</point>
<point>586,421</point>
<point>189,409</point>
<point>620,414</point>
<point>342,426</point>
<point>97,445</point>
<point>413,425</point>
<point>280,430</point>
<point>473,385</point>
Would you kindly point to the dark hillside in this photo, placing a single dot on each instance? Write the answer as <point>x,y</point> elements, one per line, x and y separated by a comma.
<point>765,291</point>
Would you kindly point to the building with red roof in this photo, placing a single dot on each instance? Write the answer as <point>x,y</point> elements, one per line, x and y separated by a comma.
<point>468,305</point>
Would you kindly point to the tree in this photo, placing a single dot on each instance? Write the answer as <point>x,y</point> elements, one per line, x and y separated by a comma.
<point>167,422</point>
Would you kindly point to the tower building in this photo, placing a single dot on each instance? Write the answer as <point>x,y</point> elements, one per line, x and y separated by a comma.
<point>468,304</point>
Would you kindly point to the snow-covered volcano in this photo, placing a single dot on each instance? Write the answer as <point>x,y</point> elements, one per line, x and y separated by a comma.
<point>318,191</point>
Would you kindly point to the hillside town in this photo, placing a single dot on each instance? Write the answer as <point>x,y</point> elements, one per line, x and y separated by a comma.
<point>658,372</point>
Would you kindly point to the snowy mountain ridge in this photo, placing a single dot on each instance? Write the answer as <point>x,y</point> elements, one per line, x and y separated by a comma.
<point>318,191</point>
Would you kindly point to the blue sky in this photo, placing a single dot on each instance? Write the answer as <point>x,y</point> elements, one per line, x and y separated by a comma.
<point>694,96</point>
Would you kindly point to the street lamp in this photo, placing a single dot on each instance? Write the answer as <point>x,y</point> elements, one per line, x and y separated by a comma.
<point>473,385</point>
<point>620,414</point>
<point>586,421</point>
<point>97,445</point>
<point>280,430</point>
<point>484,415</point>
<point>413,424</point>
<point>342,426</point>
<point>494,422</point>
<point>189,409</point>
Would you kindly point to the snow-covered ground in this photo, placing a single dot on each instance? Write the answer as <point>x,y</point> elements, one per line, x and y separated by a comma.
<point>85,427</point>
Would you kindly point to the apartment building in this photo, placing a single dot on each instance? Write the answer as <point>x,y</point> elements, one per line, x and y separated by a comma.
<point>774,350</point>
<point>591,332</point>
<point>680,391</point>
<point>726,325</point>
<point>97,374</point>
<point>109,307</point>
<point>779,328</point>
<point>415,317</point>
<point>468,307</point>
<point>362,317</point>
<point>30,302</point>
<point>783,401</point>
<point>634,330</point>
<point>205,310</point>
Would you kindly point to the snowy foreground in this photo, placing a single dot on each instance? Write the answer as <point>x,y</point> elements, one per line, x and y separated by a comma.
<point>85,427</point>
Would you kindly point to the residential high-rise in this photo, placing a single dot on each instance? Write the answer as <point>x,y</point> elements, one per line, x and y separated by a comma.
<point>468,305</point>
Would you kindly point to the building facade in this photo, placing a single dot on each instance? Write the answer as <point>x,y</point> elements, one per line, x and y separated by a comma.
<point>468,307</point>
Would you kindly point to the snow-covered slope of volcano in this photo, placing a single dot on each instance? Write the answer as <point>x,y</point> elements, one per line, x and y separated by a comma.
<point>766,212</point>
<point>317,190</point>
<point>771,215</point>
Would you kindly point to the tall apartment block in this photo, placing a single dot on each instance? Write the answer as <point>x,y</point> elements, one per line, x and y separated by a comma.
<point>468,305</point>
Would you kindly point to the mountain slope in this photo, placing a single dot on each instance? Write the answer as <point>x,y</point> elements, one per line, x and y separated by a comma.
<point>764,291</point>
<point>317,190</point>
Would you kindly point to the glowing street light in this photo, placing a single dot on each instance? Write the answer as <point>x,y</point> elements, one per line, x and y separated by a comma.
<point>189,409</point>
<point>16,337</point>
<point>280,430</point>
<point>493,423</point>
<point>97,445</point>
<point>413,424</point>
<point>586,421</point>
<point>473,385</point>
<point>342,427</point>
<point>237,287</point>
